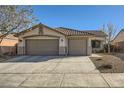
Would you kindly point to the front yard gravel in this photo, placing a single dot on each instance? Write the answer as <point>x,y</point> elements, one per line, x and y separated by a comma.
<point>115,61</point>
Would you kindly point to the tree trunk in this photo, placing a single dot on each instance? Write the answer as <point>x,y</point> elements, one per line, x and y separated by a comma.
<point>108,48</point>
<point>1,52</point>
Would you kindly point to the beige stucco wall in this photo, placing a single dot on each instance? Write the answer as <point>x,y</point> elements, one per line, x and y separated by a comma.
<point>98,38</point>
<point>21,47</point>
<point>62,39</point>
<point>21,44</point>
<point>42,37</point>
<point>32,32</point>
<point>89,47</point>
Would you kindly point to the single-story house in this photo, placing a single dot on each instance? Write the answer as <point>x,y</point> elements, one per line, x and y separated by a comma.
<point>43,40</point>
<point>118,41</point>
<point>8,44</point>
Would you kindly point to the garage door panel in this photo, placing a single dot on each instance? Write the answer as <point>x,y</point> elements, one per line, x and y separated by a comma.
<point>42,46</point>
<point>77,47</point>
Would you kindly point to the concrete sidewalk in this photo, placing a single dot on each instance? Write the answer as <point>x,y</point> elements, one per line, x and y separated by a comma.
<point>52,80</point>
<point>62,80</point>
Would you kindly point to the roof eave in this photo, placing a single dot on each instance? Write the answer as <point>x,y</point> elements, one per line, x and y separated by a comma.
<point>38,25</point>
<point>88,36</point>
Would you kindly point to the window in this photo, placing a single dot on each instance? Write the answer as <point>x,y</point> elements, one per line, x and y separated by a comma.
<point>96,44</point>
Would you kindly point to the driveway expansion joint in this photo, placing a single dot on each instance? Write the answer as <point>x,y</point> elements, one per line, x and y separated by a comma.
<point>62,80</point>
<point>23,81</point>
<point>105,80</point>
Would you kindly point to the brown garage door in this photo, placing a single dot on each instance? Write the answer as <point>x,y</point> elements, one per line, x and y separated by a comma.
<point>77,47</point>
<point>42,46</point>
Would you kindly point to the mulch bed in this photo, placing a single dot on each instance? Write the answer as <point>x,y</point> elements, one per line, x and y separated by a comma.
<point>109,63</point>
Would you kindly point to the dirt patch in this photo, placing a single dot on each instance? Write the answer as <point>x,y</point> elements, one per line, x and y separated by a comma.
<point>109,64</point>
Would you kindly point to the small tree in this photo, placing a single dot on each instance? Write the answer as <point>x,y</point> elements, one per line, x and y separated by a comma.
<point>110,30</point>
<point>15,19</point>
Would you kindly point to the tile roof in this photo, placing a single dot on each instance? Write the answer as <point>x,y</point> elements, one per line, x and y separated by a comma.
<point>68,31</point>
<point>98,33</point>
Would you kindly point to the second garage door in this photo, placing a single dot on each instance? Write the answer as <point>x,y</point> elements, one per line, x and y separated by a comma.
<point>77,47</point>
<point>42,46</point>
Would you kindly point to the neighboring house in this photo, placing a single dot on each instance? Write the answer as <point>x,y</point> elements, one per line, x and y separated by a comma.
<point>8,44</point>
<point>118,41</point>
<point>43,40</point>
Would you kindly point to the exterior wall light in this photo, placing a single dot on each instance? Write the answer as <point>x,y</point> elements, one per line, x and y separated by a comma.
<point>61,40</point>
<point>20,40</point>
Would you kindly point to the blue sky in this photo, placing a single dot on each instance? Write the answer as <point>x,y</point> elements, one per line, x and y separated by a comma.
<point>80,17</point>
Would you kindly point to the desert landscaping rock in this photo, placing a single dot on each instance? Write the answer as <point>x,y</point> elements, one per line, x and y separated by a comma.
<point>115,63</point>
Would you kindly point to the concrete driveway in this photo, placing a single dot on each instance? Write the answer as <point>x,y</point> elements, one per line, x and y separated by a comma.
<point>54,71</point>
